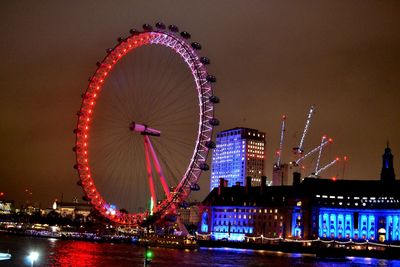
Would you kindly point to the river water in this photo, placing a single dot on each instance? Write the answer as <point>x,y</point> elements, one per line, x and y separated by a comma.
<point>54,252</point>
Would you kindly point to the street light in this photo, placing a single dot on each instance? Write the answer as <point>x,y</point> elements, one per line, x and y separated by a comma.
<point>33,256</point>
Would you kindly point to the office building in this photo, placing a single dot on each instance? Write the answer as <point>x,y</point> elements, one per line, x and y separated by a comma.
<point>239,152</point>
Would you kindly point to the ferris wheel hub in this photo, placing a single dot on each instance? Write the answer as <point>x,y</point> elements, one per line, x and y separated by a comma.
<point>143,129</point>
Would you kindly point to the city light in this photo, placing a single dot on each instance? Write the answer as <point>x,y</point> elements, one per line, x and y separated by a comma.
<point>33,256</point>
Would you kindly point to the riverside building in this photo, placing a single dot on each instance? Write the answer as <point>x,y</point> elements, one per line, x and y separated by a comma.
<point>309,209</point>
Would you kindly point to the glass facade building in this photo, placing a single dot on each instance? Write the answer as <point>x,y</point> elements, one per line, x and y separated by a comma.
<point>239,152</point>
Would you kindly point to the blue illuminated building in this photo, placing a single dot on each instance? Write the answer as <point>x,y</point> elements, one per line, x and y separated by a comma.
<point>235,212</point>
<point>311,209</point>
<point>239,152</point>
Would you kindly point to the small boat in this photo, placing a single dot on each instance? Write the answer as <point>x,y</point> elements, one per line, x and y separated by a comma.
<point>168,241</point>
<point>5,256</point>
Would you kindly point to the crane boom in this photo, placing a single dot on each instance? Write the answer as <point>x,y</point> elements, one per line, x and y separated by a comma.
<point>324,143</point>
<point>327,166</point>
<point>279,152</point>
<point>319,154</point>
<point>299,150</point>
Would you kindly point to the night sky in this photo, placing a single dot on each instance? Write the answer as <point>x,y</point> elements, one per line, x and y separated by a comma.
<point>270,58</point>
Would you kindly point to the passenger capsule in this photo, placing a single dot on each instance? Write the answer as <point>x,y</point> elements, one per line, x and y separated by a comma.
<point>185,35</point>
<point>204,166</point>
<point>195,187</point>
<point>160,25</point>
<point>214,99</point>
<point>211,78</point>
<point>173,28</point>
<point>196,46</point>
<point>214,122</point>
<point>205,60</point>
<point>133,31</point>
<point>210,144</point>
<point>147,27</point>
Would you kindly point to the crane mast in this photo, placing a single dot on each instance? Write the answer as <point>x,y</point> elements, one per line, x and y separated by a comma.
<point>327,166</point>
<point>299,150</point>
<point>279,152</point>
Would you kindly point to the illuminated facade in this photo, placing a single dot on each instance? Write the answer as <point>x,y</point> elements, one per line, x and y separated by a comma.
<point>358,210</point>
<point>240,152</point>
<point>315,208</point>
<point>6,207</point>
<point>236,212</point>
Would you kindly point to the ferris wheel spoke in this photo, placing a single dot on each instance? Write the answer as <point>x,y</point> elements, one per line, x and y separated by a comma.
<point>166,102</point>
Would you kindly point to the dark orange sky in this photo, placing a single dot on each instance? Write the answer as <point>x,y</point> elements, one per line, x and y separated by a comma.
<point>270,58</point>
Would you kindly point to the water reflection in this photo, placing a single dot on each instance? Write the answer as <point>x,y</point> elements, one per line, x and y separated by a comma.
<point>55,252</point>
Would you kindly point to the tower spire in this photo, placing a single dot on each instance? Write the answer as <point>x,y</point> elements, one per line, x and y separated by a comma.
<point>387,173</point>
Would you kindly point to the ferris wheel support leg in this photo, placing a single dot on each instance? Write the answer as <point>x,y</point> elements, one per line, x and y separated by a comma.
<point>149,173</point>
<point>158,167</point>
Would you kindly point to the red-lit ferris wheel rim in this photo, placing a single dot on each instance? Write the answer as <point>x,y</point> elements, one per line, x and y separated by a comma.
<point>203,81</point>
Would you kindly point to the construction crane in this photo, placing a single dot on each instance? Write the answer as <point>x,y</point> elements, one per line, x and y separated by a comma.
<point>299,150</point>
<point>323,143</point>
<point>279,152</point>
<point>327,166</point>
<point>319,153</point>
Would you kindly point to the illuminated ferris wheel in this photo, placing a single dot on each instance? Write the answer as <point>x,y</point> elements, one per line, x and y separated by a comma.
<point>145,125</point>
